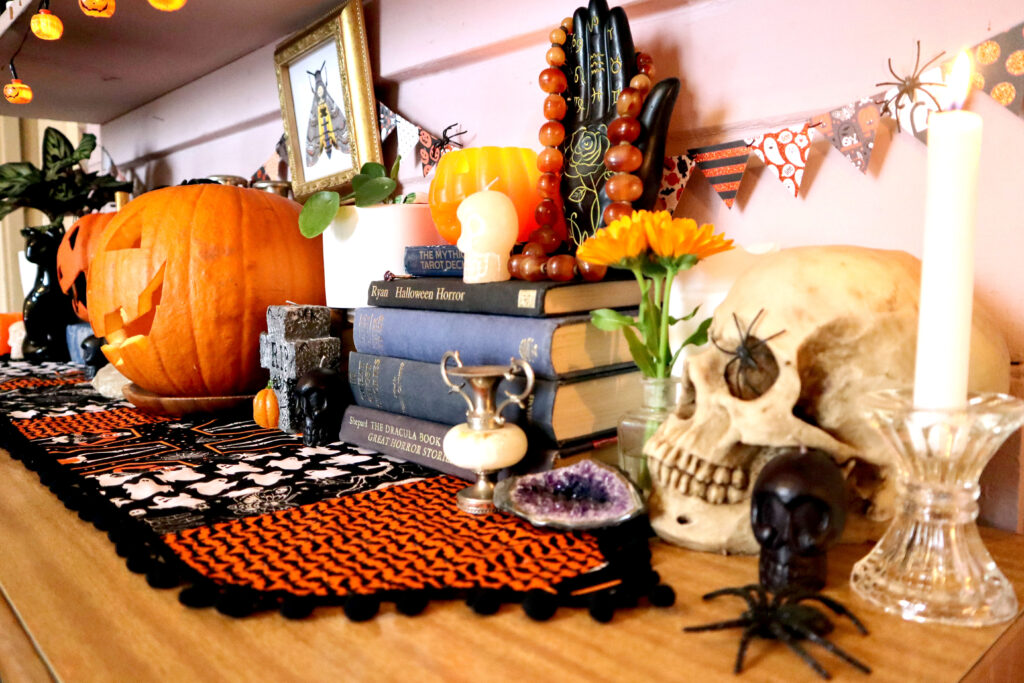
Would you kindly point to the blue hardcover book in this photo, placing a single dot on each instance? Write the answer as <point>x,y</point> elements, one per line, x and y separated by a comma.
<point>441,260</point>
<point>555,347</point>
<point>560,410</point>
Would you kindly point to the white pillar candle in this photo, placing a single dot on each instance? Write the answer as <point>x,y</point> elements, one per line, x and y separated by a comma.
<point>947,268</point>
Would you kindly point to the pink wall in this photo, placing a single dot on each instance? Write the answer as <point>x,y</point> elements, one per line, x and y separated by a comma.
<point>745,66</point>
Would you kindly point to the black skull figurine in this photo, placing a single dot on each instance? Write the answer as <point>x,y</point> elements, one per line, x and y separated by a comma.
<point>322,395</point>
<point>798,511</point>
<point>92,355</point>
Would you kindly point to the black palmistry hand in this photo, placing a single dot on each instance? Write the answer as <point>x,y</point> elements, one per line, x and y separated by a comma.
<point>600,62</point>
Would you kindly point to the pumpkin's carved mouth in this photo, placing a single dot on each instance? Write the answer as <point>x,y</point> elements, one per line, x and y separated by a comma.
<point>120,329</point>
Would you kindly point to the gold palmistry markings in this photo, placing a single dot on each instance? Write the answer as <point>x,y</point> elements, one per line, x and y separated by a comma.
<point>616,64</point>
<point>595,95</point>
<point>596,63</point>
<point>593,22</point>
<point>576,44</point>
<point>576,73</point>
<point>609,31</point>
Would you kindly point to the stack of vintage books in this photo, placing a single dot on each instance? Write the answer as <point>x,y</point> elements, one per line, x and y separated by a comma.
<point>585,378</point>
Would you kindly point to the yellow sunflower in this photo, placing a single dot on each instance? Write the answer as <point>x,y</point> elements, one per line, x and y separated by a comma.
<point>672,238</point>
<point>616,245</point>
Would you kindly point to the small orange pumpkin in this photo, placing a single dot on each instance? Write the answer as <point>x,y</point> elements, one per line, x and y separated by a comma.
<point>181,281</point>
<point>97,8</point>
<point>265,409</point>
<point>461,172</point>
<point>73,256</point>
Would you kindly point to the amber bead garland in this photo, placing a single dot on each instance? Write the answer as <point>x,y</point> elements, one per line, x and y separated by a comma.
<point>622,158</point>
<point>535,261</point>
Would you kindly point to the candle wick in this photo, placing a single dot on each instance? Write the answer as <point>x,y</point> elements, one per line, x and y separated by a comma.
<point>488,185</point>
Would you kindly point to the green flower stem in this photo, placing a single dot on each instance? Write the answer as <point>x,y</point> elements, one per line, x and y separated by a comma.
<point>644,287</point>
<point>664,358</point>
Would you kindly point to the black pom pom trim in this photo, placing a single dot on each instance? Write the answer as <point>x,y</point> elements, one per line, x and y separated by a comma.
<point>162,576</point>
<point>138,563</point>
<point>411,603</point>
<point>295,607</point>
<point>236,603</point>
<point>601,608</point>
<point>486,602</point>
<point>663,595</point>
<point>362,607</point>
<point>202,594</point>
<point>540,605</point>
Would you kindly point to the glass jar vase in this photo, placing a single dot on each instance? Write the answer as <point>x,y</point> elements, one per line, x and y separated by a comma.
<point>659,397</point>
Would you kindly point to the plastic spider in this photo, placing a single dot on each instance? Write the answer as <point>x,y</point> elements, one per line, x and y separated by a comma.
<point>752,369</point>
<point>907,86</point>
<point>784,617</point>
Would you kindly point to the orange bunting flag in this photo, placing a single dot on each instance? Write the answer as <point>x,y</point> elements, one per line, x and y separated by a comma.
<point>784,153</point>
<point>723,165</point>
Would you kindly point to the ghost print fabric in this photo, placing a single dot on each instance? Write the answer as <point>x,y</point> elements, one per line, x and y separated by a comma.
<point>175,474</point>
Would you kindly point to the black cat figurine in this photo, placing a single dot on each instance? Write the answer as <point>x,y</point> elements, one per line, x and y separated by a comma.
<point>47,311</point>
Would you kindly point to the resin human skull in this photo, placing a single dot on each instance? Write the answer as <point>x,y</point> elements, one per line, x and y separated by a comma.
<point>823,326</point>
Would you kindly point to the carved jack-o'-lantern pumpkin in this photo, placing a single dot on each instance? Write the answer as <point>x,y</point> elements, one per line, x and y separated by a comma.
<point>181,281</point>
<point>17,92</point>
<point>97,8</point>
<point>73,256</point>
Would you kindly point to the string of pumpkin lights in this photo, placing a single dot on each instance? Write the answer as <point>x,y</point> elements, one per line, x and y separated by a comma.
<point>48,26</point>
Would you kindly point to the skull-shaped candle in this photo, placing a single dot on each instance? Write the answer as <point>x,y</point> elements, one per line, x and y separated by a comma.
<point>322,395</point>
<point>798,512</point>
<point>489,228</point>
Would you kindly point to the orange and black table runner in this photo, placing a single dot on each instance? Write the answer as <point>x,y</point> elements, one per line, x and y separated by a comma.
<point>249,519</point>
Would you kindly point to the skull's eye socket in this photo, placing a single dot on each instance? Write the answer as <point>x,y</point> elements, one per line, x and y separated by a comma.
<point>752,370</point>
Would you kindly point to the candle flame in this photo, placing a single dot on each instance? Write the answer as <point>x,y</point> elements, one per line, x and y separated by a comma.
<point>959,80</point>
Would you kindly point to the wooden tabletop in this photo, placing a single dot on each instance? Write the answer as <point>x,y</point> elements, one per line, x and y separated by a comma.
<point>73,609</point>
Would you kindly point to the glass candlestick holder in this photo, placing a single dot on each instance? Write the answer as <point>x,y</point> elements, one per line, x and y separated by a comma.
<point>931,565</point>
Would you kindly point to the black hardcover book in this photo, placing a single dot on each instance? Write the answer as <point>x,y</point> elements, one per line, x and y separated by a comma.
<point>512,297</point>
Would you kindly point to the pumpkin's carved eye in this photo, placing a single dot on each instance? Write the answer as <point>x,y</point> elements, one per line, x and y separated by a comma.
<point>120,328</point>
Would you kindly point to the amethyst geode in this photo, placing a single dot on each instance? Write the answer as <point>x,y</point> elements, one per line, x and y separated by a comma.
<point>585,495</point>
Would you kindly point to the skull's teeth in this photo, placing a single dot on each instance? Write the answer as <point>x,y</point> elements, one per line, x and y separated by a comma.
<point>693,476</point>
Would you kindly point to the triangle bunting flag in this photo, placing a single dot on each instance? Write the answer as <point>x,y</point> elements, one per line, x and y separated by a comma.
<point>673,180</point>
<point>784,153</point>
<point>723,165</point>
<point>999,68</point>
<point>851,129</point>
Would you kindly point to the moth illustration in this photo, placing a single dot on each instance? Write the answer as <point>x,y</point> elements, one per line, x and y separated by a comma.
<point>327,129</point>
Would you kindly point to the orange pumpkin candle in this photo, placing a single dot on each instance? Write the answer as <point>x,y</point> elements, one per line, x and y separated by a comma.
<point>461,172</point>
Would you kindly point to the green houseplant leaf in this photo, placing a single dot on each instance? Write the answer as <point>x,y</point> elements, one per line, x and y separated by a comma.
<point>318,212</point>
<point>375,191</point>
<point>56,148</point>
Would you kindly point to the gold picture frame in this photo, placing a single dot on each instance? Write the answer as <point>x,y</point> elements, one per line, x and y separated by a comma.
<point>328,139</point>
